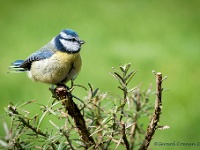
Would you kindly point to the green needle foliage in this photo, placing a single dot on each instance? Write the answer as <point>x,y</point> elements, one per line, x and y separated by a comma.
<point>112,121</point>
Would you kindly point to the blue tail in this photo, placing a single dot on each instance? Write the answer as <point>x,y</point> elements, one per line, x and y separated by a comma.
<point>15,66</point>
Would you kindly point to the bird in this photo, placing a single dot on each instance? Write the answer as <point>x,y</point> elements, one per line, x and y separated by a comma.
<point>56,63</point>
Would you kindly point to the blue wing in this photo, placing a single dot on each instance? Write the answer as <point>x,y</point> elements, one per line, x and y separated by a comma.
<point>39,55</point>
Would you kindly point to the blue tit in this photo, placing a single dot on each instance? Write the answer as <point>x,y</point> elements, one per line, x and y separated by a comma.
<point>55,63</point>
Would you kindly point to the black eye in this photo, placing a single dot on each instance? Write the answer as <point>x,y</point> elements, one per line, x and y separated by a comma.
<point>72,39</point>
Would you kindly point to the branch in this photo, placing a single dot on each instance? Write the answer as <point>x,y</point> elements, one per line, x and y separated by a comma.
<point>28,125</point>
<point>67,138</point>
<point>64,94</point>
<point>137,101</point>
<point>124,136</point>
<point>156,115</point>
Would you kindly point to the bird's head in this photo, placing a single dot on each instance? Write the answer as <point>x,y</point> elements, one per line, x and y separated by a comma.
<point>68,41</point>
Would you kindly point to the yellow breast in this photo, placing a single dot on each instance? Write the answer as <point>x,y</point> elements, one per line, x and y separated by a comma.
<point>59,68</point>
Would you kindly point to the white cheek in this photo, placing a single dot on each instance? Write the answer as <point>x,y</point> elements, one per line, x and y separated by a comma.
<point>65,43</point>
<point>70,45</point>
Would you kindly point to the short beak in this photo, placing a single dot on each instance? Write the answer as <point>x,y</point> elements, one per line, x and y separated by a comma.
<point>81,42</point>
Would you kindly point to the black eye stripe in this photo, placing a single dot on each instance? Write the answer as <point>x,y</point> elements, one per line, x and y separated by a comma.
<point>73,39</point>
<point>69,39</point>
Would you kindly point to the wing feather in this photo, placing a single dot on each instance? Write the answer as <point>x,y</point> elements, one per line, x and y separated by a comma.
<point>38,55</point>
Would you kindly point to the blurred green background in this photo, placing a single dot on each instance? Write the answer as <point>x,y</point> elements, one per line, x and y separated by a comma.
<point>150,34</point>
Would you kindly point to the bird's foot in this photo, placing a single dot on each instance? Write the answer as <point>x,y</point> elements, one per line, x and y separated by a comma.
<point>52,89</point>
